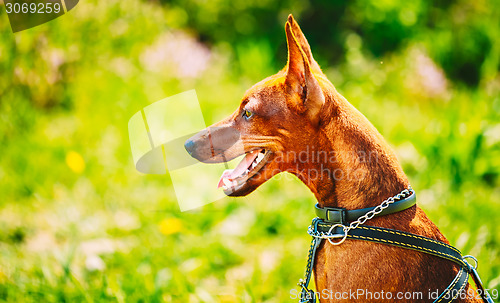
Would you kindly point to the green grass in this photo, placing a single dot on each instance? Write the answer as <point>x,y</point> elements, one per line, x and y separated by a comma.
<point>79,223</point>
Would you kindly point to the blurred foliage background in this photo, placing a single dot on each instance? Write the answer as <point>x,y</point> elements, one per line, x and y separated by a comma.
<point>78,223</point>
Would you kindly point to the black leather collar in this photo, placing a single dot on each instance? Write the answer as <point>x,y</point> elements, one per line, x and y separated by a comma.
<point>343,216</point>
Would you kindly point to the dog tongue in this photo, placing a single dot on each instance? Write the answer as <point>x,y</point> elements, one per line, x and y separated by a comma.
<point>242,166</point>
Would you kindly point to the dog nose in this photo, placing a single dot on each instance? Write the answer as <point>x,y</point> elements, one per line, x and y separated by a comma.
<point>189,146</point>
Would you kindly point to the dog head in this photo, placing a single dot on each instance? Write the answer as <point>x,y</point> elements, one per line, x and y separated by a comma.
<point>277,117</point>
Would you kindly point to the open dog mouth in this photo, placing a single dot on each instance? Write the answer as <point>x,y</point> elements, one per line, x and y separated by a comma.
<point>253,161</point>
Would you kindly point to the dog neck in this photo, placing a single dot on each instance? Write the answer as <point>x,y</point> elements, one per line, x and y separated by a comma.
<point>361,170</point>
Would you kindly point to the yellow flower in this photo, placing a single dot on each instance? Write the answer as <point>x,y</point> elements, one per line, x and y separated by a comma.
<point>170,226</point>
<point>3,277</point>
<point>75,162</point>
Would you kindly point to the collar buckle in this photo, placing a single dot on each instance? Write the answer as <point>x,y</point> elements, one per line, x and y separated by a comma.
<point>335,214</point>
<point>332,214</point>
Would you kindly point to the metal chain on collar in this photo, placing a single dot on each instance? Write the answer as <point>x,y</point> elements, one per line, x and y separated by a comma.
<point>361,220</point>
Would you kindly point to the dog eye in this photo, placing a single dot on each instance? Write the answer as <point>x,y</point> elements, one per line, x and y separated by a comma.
<point>247,114</point>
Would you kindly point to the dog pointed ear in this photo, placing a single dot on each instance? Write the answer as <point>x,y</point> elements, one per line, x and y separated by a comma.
<point>303,91</point>
<point>301,38</point>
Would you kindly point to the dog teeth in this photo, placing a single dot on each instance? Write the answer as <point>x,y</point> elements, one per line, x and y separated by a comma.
<point>227,183</point>
<point>260,157</point>
<point>256,161</point>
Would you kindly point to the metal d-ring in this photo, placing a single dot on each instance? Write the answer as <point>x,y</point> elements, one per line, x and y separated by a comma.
<point>344,228</point>
<point>473,258</point>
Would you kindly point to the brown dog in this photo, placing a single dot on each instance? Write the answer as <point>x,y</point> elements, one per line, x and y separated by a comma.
<point>347,164</point>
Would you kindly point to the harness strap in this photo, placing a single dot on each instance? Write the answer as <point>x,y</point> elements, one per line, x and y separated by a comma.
<point>479,284</point>
<point>307,295</point>
<point>342,215</point>
<point>400,239</point>
<point>455,288</point>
